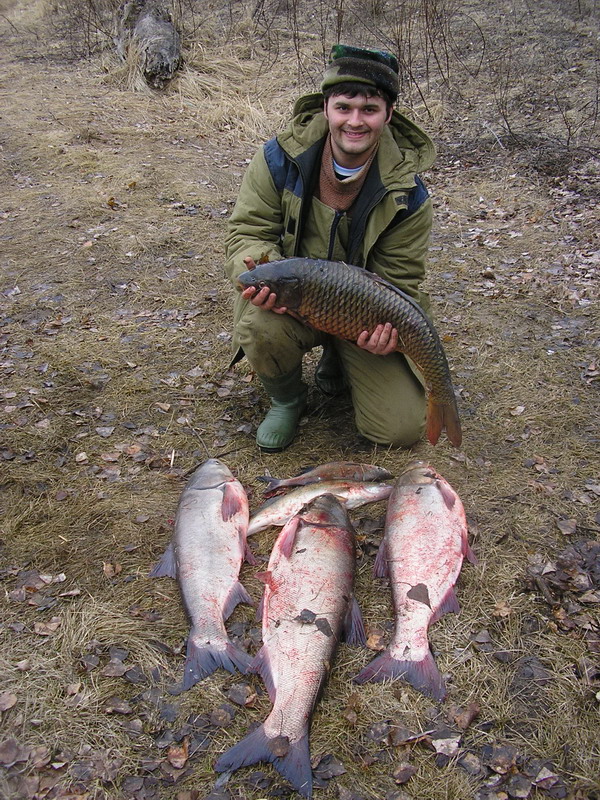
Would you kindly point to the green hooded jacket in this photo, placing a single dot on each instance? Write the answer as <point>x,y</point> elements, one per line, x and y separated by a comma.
<point>386,231</point>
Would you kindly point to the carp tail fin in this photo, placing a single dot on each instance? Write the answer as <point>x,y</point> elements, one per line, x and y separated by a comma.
<point>423,675</point>
<point>202,660</point>
<point>442,416</point>
<point>290,759</point>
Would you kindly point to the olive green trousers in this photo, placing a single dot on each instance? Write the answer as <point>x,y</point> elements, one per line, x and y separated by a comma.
<point>388,397</point>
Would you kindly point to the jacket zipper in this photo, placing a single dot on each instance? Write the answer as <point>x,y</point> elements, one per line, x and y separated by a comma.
<point>333,230</point>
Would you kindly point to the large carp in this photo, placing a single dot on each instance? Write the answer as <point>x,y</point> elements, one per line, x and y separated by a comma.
<point>307,603</point>
<point>344,301</point>
<point>206,554</point>
<point>425,540</point>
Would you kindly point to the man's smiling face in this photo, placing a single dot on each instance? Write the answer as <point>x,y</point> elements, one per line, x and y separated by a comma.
<point>356,124</point>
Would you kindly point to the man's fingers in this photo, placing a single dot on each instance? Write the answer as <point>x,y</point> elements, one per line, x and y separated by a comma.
<point>382,341</point>
<point>249,262</point>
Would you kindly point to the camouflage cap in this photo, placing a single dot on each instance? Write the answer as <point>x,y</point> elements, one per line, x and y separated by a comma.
<point>360,65</point>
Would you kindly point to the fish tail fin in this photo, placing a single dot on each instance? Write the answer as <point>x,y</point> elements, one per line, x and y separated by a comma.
<point>166,567</point>
<point>202,660</point>
<point>273,484</point>
<point>440,416</point>
<point>423,675</point>
<point>294,765</point>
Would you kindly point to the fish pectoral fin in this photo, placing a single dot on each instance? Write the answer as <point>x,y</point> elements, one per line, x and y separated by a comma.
<point>231,503</point>
<point>287,537</point>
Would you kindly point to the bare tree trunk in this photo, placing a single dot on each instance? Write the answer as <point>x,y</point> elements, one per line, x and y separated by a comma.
<point>146,26</point>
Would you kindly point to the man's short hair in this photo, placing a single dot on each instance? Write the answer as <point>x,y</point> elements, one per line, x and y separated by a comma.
<point>352,89</point>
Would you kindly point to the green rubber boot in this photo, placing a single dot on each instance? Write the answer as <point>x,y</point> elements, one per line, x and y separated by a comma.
<point>288,401</point>
<point>329,374</point>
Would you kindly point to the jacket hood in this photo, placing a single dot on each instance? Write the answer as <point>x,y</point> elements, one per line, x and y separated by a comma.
<point>414,151</point>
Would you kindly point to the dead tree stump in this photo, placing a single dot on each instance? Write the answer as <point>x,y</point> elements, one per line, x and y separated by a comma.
<point>146,26</point>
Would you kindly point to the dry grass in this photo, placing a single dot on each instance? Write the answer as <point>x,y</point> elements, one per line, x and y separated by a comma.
<point>114,329</point>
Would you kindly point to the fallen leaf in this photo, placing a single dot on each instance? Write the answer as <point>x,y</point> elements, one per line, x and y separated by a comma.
<point>111,569</point>
<point>463,717</point>
<point>115,705</point>
<point>403,772</point>
<point>375,639</point>
<point>11,752</point>
<point>47,628</point>
<point>502,609</point>
<point>177,755</point>
<point>7,700</point>
<point>567,526</point>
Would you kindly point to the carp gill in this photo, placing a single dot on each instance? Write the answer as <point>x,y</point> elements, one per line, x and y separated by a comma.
<point>335,470</point>
<point>307,602</point>
<point>207,551</point>
<point>281,508</point>
<point>344,300</point>
<point>425,540</point>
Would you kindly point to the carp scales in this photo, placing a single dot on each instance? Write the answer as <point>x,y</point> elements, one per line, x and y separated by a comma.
<point>335,470</point>
<point>208,548</point>
<point>344,300</point>
<point>307,603</point>
<point>424,543</point>
<point>281,508</point>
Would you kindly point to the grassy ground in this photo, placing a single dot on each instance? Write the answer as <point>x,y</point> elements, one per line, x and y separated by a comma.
<point>115,343</point>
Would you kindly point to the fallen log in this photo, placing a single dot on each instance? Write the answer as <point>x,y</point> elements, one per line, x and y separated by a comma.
<point>146,31</point>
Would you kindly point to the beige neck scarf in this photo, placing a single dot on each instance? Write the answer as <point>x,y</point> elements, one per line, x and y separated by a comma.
<point>337,194</point>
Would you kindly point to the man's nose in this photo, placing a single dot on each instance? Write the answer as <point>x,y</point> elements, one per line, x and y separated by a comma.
<point>355,118</point>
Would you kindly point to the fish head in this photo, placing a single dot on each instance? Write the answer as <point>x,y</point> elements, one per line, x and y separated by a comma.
<point>280,277</point>
<point>211,472</point>
<point>417,472</point>
<point>326,509</point>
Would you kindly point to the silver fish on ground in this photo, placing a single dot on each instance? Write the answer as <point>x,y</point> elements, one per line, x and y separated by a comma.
<point>307,603</point>
<point>208,548</point>
<point>278,510</point>
<point>425,540</point>
<point>332,471</point>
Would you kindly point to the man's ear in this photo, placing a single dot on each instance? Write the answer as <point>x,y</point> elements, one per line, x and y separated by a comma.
<point>325,107</point>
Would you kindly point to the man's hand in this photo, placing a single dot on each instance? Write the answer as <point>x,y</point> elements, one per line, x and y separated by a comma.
<point>382,342</point>
<point>261,298</point>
